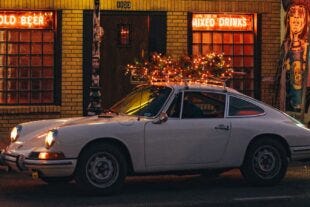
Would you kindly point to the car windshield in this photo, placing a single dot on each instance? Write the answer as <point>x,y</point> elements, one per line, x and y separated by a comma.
<point>143,101</point>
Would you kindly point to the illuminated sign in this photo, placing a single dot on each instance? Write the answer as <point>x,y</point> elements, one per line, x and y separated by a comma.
<point>222,22</point>
<point>27,19</point>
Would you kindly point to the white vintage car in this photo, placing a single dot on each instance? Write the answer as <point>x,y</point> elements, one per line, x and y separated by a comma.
<point>162,128</point>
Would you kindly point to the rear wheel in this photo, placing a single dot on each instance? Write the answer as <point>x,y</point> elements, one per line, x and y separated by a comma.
<point>101,168</point>
<point>265,162</point>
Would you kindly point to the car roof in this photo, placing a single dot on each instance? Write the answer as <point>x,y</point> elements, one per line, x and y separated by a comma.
<point>198,86</point>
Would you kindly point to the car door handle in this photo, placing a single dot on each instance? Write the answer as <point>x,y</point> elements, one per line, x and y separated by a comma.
<point>222,127</point>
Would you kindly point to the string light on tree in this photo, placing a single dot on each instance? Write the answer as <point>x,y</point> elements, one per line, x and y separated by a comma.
<point>199,69</point>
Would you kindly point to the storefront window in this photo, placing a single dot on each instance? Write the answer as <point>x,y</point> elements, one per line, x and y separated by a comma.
<point>26,64</point>
<point>232,35</point>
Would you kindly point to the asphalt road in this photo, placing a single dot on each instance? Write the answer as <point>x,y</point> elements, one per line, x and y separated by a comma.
<point>162,191</point>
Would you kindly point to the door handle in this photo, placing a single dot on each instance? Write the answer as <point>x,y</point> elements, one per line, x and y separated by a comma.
<point>222,127</point>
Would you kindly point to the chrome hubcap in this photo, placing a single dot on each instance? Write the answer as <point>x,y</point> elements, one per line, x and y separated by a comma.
<point>102,169</point>
<point>267,162</point>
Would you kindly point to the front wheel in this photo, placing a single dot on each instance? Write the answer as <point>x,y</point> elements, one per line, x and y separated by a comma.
<point>265,163</point>
<point>101,168</point>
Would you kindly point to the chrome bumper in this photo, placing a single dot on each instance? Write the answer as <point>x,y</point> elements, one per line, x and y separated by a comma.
<point>45,168</point>
<point>300,153</point>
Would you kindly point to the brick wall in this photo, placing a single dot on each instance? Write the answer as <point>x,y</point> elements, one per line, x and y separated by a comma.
<point>72,71</point>
<point>177,11</point>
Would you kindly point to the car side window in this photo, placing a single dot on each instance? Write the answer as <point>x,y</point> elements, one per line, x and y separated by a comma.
<point>175,107</point>
<point>240,107</point>
<point>203,105</point>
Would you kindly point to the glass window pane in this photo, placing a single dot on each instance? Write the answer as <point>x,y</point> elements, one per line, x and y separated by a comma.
<point>238,38</point>
<point>24,36</point>
<point>47,97</point>
<point>228,49</point>
<point>248,61</point>
<point>36,36</point>
<point>48,73</point>
<point>248,50</point>
<point>24,72</point>
<point>13,36</point>
<point>12,48</point>
<point>217,48</point>
<point>240,107</point>
<point>206,49</point>
<point>48,49</point>
<point>24,61</point>
<point>12,73</point>
<point>48,60</point>
<point>2,72</point>
<point>48,36</point>
<point>2,60</point>
<point>196,37</point>
<point>2,35</point>
<point>36,72</point>
<point>12,61</point>
<point>12,85</point>
<point>238,50</point>
<point>24,85</point>
<point>36,61</point>
<point>35,97</point>
<point>238,62</point>
<point>47,84</point>
<point>206,37</point>
<point>196,50</point>
<point>203,105</point>
<point>36,48</point>
<point>35,85</point>
<point>2,85</point>
<point>2,48</point>
<point>12,97</point>
<point>24,48</point>
<point>2,97</point>
<point>248,38</point>
<point>24,97</point>
<point>227,38</point>
<point>217,38</point>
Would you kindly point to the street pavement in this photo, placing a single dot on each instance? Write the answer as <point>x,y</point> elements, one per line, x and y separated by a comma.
<point>162,191</point>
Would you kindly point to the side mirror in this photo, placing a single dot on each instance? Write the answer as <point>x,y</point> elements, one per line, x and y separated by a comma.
<point>163,117</point>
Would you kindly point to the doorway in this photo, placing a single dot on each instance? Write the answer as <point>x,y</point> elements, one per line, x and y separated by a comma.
<point>128,37</point>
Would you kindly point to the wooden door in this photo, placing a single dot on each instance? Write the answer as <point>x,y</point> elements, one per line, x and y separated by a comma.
<point>126,38</point>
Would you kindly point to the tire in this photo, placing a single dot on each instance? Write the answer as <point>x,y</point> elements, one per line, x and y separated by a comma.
<point>265,163</point>
<point>56,180</point>
<point>101,168</point>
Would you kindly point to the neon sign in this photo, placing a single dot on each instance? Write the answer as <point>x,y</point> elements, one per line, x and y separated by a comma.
<point>222,22</point>
<point>27,19</point>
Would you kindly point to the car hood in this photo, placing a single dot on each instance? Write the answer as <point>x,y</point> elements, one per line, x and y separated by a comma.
<point>38,129</point>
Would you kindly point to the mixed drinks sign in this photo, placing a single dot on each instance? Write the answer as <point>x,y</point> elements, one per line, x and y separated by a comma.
<point>222,22</point>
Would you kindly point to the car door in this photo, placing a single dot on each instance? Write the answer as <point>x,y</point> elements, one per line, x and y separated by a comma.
<point>196,132</point>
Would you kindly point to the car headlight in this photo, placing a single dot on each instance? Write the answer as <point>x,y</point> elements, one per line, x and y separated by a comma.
<point>50,138</point>
<point>15,133</point>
